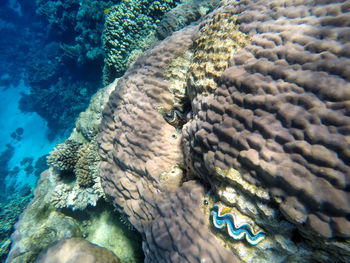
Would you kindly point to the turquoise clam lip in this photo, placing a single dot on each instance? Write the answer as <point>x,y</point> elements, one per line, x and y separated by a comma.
<point>243,231</point>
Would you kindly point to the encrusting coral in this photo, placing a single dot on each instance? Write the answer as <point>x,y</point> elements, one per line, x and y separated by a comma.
<point>217,41</point>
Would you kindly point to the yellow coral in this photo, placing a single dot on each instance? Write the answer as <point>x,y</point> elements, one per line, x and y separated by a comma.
<point>218,41</point>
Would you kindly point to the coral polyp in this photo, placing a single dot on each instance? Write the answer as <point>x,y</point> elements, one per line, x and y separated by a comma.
<point>237,232</point>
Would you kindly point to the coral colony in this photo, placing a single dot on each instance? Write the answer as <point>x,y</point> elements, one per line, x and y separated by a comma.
<point>221,135</point>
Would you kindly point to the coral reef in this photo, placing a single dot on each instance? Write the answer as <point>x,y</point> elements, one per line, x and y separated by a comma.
<point>183,15</point>
<point>64,67</point>
<point>128,28</point>
<point>139,160</point>
<point>264,133</point>
<point>10,209</point>
<point>264,150</point>
<point>47,218</point>
<point>64,156</point>
<point>78,26</point>
<point>41,224</point>
<point>57,99</point>
<point>76,250</point>
<point>75,197</point>
<point>149,146</point>
<point>76,161</point>
<point>273,118</point>
<point>285,132</point>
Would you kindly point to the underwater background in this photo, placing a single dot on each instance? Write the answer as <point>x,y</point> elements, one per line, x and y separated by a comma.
<point>53,59</point>
<point>174,131</point>
<point>51,64</point>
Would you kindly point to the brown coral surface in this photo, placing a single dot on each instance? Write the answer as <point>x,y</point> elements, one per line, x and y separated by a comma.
<point>280,114</point>
<point>276,109</point>
<point>138,147</point>
<point>77,250</point>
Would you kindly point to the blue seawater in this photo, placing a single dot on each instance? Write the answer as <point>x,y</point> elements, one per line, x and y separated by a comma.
<point>42,91</point>
<point>51,63</point>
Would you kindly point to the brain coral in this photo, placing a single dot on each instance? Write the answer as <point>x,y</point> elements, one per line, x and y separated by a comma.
<point>269,88</point>
<point>280,113</point>
<point>139,151</point>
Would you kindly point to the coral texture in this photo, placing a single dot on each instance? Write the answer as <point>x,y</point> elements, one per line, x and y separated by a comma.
<point>86,126</point>
<point>183,15</point>
<point>76,250</point>
<point>141,145</point>
<point>44,221</point>
<point>39,226</point>
<point>210,59</point>
<point>139,154</point>
<point>178,231</point>
<point>87,159</point>
<point>78,156</point>
<point>65,155</point>
<point>126,28</point>
<point>280,112</point>
<point>268,83</point>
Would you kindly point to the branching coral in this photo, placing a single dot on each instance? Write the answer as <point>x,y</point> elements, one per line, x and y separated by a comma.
<point>126,28</point>
<point>78,25</point>
<point>79,156</point>
<point>64,157</point>
<point>87,161</point>
<point>83,160</point>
